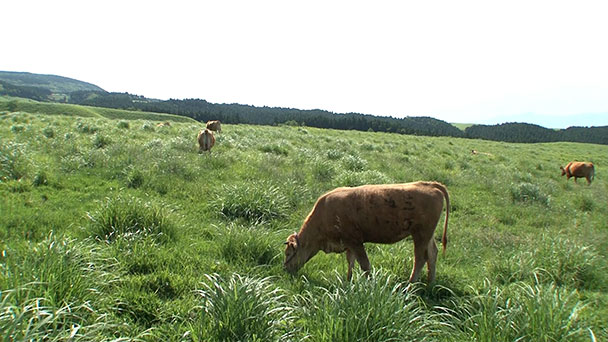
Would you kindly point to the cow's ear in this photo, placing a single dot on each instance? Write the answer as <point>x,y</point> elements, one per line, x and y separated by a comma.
<point>292,240</point>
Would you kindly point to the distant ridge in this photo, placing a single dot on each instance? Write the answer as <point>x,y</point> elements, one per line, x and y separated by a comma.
<point>51,88</point>
<point>56,84</point>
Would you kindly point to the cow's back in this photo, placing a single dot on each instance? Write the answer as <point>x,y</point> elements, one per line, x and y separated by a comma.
<point>581,169</point>
<point>382,213</point>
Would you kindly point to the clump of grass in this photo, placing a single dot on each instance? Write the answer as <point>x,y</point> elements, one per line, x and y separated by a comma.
<point>553,260</point>
<point>176,165</point>
<point>148,126</point>
<point>350,178</point>
<point>374,309</point>
<point>323,170</point>
<point>586,203</point>
<point>153,144</point>
<point>86,128</point>
<point>247,245</point>
<point>123,124</point>
<point>17,128</point>
<point>354,163</point>
<point>255,202</point>
<point>529,193</point>
<point>134,177</point>
<point>48,132</point>
<point>54,291</point>
<point>278,149</point>
<point>127,217</point>
<point>35,320</point>
<point>333,154</point>
<point>525,313</point>
<point>548,313</point>
<point>100,140</point>
<point>13,161</point>
<point>242,309</point>
<point>40,178</point>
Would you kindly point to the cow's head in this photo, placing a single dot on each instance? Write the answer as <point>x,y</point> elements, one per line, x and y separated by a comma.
<point>563,170</point>
<point>295,256</point>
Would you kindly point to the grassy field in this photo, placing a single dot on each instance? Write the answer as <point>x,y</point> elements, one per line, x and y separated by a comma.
<point>114,229</point>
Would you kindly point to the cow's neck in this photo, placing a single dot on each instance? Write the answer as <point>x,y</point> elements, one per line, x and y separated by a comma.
<point>309,236</point>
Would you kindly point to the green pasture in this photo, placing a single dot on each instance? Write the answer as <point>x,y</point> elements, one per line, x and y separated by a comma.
<point>112,228</point>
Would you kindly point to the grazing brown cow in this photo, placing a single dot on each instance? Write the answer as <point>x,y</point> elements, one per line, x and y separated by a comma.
<point>345,218</point>
<point>215,125</point>
<point>206,140</point>
<point>579,170</point>
<point>164,124</point>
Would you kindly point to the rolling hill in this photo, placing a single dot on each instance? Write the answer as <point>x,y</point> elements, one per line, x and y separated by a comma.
<point>51,88</point>
<point>56,84</point>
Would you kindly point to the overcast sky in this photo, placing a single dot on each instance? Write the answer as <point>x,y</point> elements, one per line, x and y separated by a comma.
<point>542,62</point>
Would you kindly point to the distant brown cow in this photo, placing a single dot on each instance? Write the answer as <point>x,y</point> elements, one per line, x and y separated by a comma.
<point>579,170</point>
<point>215,125</point>
<point>345,218</point>
<point>206,140</point>
<point>163,124</point>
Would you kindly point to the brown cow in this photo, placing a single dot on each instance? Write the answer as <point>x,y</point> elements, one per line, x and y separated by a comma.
<point>579,170</point>
<point>164,124</point>
<point>215,125</point>
<point>206,140</point>
<point>345,218</point>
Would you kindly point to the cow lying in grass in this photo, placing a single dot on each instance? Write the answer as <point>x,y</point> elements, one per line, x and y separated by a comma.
<point>579,170</point>
<point>345,218</point>
<point>206,140</point>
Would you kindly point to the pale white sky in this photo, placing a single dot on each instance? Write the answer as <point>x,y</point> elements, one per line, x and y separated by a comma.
<point>543,62</point>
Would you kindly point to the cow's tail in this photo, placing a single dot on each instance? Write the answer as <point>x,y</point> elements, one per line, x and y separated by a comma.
<point>444,190</point>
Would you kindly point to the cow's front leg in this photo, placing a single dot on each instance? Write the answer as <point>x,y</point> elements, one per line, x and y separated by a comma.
<point>350,259</point>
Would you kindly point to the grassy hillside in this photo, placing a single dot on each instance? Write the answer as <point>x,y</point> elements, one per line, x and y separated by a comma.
<point>115,229</point>
<point>462,126</point>
<point>12,104</point>
<point>56,84</point>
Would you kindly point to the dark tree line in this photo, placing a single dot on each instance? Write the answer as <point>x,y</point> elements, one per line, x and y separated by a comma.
<point>527,133</point>
<point>203,111</point>
<point>34,93</point>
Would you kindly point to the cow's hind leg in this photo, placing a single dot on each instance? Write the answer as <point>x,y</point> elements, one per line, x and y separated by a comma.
<point>420,257</point>
<point>350,258</point>
<point>431,259</point>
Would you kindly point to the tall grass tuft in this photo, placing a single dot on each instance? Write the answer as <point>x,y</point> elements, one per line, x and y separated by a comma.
<point>14,163</point>
<point>525,313</point>
<point>529,193</point>
<point>134,177</point>
<point>255,202</point>
<point>40,178</point>
<point>248,245</point>
<point>100,140</point>
<point>55,291</point>
<point>553,260</point>
<point>131,218</point>
<point>242,309</point>
<point>374,309</point>
<point>548,314</point>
